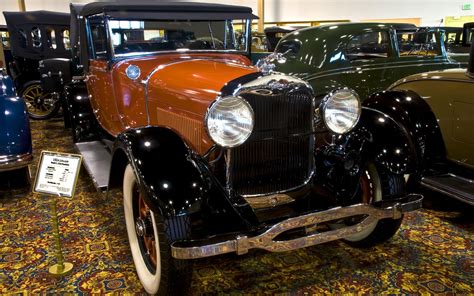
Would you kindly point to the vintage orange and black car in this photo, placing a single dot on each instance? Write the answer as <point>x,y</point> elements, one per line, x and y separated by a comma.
<point>214,156</point>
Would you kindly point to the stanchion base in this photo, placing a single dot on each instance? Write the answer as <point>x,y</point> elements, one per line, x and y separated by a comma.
<point>57,270</point>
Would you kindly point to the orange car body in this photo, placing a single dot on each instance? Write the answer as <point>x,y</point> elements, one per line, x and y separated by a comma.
<point>181,87</point>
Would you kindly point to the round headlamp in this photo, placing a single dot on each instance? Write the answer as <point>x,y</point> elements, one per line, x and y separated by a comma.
<point>229,121</point>
<point>341,110</point>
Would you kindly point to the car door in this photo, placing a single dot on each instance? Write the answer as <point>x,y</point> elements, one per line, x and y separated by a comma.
<point>460,147</point>
<point>99,77</point>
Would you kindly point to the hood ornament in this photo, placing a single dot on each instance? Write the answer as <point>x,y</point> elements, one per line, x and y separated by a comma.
<point>267,64</point>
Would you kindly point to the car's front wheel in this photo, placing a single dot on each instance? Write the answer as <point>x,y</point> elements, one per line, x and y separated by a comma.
<point>150,237</point>
<point>375,184</point>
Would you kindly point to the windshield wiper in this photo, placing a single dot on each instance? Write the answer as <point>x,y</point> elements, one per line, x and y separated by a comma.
<point>212,35</point>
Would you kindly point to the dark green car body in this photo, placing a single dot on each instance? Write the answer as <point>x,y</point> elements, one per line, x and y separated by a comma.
<point>366,57</point>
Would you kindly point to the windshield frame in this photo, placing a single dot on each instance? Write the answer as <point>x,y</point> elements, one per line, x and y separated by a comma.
<point>114,56</point>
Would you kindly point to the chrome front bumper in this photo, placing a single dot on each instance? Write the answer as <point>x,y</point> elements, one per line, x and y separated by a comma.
<point>13,162</point>
<point>392,209</point>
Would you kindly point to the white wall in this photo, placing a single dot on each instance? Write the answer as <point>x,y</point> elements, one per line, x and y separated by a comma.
<point>430,11</point>
<point>54,5</point>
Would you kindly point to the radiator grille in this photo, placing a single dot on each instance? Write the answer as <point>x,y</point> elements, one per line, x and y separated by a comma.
<point>279,154</point>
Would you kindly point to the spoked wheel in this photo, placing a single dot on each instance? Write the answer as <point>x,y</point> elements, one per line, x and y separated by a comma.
<point>375,184</point>
<point>40,105</point>
<point>150,243</point>
<point>145,230</point>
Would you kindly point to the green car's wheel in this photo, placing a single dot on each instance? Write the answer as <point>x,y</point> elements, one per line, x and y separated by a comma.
<point>375,184</point>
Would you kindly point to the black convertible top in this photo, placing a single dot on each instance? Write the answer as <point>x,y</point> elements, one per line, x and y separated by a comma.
<point>40,17</point>
<point>146,10</point>
<point>21,26</point>
<point>167,10</point>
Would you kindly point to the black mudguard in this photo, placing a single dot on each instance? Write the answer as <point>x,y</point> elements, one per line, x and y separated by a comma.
<point>412,113</point>
<point>176,180</point>
<point>387,142</point>
<point>377,138</point>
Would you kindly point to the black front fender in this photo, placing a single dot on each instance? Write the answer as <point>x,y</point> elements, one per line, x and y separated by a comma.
<point>414,114</point>
<point>164,167</point>
<point>388,143</point>
<point>177,180</point>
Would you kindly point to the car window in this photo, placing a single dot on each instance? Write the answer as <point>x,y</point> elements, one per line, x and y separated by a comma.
<point>51,38</point>
<point>66,39</point>
<point>368,46</point>
<point>5,38</point>
<point>136,37</point>
<point>452,38</point>
<point>99,39</point>
<point>36,37</point>
<point>290,47</point>
<point>419,43</point>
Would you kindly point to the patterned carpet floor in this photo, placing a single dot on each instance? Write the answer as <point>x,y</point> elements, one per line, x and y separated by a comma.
<point>433,252</point>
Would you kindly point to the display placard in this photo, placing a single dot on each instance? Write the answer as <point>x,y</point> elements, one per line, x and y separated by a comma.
<point>57,174</point>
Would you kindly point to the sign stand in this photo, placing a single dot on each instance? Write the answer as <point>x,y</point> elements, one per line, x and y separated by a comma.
<point>57,177</point>
<point>61,267</point>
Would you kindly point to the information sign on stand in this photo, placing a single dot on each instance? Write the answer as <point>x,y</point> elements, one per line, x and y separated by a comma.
<point>57,177</point>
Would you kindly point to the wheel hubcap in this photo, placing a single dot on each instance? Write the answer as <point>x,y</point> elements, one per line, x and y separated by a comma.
<point>143,227</point>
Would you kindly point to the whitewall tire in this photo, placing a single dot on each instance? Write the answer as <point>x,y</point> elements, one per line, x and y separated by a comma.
<point>149,279</point>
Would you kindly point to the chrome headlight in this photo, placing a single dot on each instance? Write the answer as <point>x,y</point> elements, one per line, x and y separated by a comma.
<point>229,121</point>
<point>341,110</point>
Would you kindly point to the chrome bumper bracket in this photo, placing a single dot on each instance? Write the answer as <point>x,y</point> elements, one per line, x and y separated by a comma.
<point>392,209</point>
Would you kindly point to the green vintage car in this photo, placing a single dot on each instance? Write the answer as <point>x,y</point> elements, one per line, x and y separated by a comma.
<point>366,57</point>
<point>446,99</point>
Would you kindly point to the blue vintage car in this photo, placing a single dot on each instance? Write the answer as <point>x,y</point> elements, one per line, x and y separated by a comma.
<point>15,135</point>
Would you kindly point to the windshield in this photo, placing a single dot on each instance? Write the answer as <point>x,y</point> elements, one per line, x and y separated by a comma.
<point>136,37</point>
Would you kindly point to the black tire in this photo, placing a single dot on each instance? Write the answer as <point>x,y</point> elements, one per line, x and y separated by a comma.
<point>385,186</point>
<point>40,105</point>
<point>158,271</point>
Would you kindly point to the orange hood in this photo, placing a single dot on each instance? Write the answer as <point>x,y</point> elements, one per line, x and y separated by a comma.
<point>180,88</point>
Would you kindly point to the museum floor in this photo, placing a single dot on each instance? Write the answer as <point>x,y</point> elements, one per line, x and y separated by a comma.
<point>433,252</point>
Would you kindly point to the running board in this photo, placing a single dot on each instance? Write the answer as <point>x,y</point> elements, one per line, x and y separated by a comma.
<point>451,185</point>
<point>96,159</point>
<point>390,209</point>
